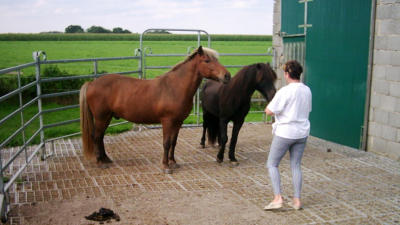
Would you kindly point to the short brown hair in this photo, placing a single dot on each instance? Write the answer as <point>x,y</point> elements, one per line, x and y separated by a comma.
<point>293,68</point>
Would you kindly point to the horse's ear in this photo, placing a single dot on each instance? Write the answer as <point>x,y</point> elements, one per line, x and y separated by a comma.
<point>258,65</point>
<point>200,50</point>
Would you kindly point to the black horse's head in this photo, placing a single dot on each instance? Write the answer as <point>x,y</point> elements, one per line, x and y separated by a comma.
<point>265,78</point>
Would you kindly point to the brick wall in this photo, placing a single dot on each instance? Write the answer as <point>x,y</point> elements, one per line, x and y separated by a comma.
<point>277,43</point>
<point>384,118</point>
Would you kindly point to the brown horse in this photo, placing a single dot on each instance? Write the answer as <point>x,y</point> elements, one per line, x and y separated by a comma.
<point>167,99</point>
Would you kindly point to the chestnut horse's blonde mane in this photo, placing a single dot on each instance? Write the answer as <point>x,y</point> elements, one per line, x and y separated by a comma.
<point>211,53</point>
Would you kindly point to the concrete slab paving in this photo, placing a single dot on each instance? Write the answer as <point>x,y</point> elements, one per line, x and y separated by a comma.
<point>340,186</point>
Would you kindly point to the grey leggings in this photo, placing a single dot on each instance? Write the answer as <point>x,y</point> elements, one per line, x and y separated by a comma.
<point>279,147</point>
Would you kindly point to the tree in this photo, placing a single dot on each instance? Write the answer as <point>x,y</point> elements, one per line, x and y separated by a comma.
<point>119,30</point>
<point>74,29</point>
<point>97,29</point>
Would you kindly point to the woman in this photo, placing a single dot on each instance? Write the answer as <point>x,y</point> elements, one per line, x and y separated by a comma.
<point>291,106</point>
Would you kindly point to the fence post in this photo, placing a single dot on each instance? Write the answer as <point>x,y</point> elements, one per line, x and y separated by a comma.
<point>144,53</point>
<point>199,39</point>
<point>20,105</point>
<point>3,196</point>
<point>95,69</point>
<point>136,53</point>
<point>140,63</point>
<point>36,57</point>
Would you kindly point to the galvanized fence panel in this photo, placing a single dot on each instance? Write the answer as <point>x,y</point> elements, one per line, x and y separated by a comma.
<point>5,163</point>
<point>7,179</point>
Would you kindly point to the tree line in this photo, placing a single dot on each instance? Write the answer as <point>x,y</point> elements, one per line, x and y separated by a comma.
<point>101,30</point>
<point>95,29</point>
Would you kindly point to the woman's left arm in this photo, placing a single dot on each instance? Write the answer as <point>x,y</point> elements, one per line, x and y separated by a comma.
<point>268,112</point>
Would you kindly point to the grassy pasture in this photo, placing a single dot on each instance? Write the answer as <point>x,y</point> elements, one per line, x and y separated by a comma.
<point>19,52</point>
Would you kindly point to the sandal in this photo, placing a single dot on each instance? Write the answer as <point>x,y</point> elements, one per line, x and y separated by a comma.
<point>273,205</point>
<point>296,207</point>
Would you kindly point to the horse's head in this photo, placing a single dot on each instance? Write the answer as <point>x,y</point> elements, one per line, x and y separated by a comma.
<point>209,66</point>
<point>265,78</point>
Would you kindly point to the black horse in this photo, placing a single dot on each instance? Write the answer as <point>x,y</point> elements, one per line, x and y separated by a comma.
<point>231,102</point>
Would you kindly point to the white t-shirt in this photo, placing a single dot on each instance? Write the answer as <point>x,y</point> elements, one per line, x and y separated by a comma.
<point>291,106</point>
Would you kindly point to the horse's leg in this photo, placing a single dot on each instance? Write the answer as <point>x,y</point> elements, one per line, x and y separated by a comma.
<point>235,132</point>
<point>100,128</point>
<point>166,145</point>
<point>223,124</point>
<point>205,124</point>
<point>168,130</point>
<point>174,138</point>
<point>219,138</point>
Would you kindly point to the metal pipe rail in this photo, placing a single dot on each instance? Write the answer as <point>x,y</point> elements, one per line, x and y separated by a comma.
<point>16,68</point>
<point>89,59</point>
<point>17,91</point>
<point>142,51</point>
<point>19,130</point>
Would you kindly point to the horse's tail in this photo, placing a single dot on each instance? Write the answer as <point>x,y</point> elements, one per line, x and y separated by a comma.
<point>87,124</point>
<point>212,129</point>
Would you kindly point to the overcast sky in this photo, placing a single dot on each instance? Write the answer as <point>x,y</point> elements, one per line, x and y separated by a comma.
<point>213,16</point>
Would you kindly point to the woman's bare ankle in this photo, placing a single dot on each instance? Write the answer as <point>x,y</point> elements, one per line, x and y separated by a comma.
<point>278,199</point>
<point>296,201</point>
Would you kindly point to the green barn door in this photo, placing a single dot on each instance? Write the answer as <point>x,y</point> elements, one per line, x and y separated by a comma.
<point>336,37</point>
<point>337,67</point>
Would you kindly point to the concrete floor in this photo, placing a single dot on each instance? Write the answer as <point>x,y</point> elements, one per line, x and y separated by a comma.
<point>340,186</point>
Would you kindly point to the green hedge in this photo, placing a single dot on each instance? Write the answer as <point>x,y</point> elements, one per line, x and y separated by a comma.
<point>128,37</point>
<point>9,82</point>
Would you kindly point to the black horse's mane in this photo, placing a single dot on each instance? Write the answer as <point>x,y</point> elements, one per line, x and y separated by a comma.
<point>242,77</point>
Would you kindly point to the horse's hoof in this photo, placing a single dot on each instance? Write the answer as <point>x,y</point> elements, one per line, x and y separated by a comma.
<point>104,160</point>
<point>174,166</point>
<point>104,165</point>
<point>167,171</point>
<point>219,160</point>
<point>234,163</point>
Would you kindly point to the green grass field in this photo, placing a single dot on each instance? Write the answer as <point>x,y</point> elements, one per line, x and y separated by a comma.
<point>20,52</point>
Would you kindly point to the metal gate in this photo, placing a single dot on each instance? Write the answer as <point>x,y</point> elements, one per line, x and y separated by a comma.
<point>25,153</point>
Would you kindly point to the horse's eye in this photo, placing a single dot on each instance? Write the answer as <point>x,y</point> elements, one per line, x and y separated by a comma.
<point>207,61</point>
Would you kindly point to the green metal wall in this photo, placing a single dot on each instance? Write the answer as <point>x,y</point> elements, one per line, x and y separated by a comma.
<point>337,47</point>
